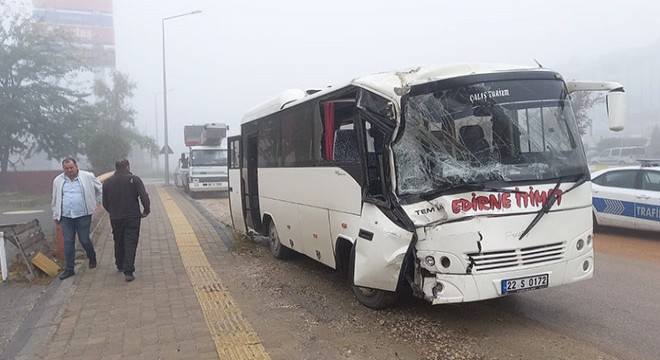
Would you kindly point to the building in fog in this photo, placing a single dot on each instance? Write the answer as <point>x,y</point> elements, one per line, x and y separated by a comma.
<point>90,21</point>
<point>92,25</point>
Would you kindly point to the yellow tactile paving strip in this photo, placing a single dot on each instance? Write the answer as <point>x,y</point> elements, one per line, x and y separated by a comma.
<point>233,336</point>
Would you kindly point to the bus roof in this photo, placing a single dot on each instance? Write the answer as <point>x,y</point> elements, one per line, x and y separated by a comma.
<point>384,83</point>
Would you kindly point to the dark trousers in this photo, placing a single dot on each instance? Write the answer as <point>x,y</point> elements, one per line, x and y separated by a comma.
<point>126,233</point>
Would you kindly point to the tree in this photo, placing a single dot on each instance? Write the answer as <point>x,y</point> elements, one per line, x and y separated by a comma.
<point>38,106</point>
<point>116,134</point>
<point>104,149</point>
<point>582,102</point>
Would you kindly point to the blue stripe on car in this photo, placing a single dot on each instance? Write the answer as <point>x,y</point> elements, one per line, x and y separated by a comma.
<point>627,208</point>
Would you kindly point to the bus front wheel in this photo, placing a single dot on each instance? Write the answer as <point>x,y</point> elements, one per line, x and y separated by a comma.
<point>278,250</point>
<point>371,298</point>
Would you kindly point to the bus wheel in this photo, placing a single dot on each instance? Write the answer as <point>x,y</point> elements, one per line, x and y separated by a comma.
<point>278,250</point>
<point>371,298</point>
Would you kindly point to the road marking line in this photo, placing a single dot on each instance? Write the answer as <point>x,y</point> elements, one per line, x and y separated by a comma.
<point>22,212</point>
<point>233,336</point>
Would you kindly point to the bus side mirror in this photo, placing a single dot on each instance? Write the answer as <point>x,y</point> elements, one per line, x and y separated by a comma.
<point>616,109</point>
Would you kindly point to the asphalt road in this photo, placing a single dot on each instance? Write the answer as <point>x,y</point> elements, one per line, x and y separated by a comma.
<point>618,310</point>
<point>15,213</point>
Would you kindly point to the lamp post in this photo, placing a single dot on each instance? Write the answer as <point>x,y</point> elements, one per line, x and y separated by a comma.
<point>156,113</point>
<point>166,146</point>
<point>156,94</point>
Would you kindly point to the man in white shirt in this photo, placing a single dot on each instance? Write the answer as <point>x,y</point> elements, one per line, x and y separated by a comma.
<point>76,193</point>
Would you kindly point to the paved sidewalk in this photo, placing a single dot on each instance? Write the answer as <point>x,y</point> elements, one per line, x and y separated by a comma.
<point>176,308</point>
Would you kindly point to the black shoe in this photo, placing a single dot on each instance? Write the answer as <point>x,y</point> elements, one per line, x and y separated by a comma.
<point>129,277</point>
<point>66,274</point>
<point>92,263</point>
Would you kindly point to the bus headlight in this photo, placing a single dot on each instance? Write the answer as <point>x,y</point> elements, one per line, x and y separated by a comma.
<point>430,261</point>
<point>580,244</point>
<point>439,262</point>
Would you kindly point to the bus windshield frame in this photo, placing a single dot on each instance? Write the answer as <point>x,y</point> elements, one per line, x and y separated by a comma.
<point>496,129</point>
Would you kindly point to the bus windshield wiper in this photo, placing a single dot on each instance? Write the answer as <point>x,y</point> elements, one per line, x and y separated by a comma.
<point>551,201</point>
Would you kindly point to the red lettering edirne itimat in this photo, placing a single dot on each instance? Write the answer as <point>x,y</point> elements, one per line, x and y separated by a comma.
<point>532,198</point>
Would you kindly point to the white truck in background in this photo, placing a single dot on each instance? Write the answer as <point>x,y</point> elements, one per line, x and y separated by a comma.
<point>204,167</point>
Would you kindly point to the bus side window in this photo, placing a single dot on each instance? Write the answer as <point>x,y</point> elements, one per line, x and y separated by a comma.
<point>346,146</point>
<point>337,121</point>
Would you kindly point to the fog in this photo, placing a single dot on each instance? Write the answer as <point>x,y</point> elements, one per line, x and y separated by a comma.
<point>232,56</point>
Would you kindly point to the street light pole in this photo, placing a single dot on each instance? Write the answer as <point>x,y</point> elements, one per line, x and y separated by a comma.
<point>166,146</point>
<point>156,113</point>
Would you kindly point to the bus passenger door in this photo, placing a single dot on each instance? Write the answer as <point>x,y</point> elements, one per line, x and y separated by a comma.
<point>250,180</point>
<point>380,249</point>
<point>236,189</point>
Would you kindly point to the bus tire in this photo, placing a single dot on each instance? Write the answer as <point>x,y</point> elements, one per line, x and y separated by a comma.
<point>278,250</point>
<point>371,298</point>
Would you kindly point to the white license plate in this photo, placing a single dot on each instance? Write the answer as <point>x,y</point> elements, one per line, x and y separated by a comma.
<point>526,283</point>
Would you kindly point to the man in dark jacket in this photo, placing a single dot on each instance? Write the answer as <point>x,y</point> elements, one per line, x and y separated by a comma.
<point>120,198</point>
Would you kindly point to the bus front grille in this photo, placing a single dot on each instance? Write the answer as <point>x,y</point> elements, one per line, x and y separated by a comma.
<point>516,258</point>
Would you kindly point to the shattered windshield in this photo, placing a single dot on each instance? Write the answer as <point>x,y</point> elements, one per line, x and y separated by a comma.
<point>504,130</point>
<point>209,157</point>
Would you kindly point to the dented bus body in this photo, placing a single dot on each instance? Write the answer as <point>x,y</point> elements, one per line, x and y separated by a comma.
<point>463,182</point>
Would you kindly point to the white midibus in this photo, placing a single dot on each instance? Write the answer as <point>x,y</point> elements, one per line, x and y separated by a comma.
<point>464,182</point>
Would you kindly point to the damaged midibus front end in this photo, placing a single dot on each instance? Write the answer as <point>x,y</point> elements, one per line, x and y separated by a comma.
<point>473,246</point>
<point>491,192</point>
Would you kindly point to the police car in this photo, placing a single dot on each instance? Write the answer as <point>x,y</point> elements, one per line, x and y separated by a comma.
<point>628,197</point>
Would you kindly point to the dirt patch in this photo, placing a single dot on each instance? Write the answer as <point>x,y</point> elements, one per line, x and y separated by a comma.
<point>642,245</point>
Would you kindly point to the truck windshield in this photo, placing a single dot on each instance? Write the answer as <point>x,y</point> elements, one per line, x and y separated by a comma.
<point>507,131</point>
<point>215,157</point>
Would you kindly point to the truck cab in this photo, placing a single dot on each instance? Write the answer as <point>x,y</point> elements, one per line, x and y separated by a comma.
<point>204,169</point>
